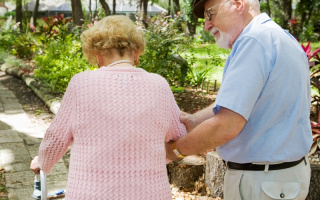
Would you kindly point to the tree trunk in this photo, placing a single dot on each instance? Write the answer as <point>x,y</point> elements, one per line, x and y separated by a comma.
<point>96,10</point>
<point>192,22</point>
<point>185,173</point>
<point>287,8</point>
<point>77,14</point>
<point>176,6</point>
<point>19,13</point>
<point>90,11</point>
<point>35,13</point>
<point>114,7</point>
<point>144,10</point>
<point>105,7</point>
<point>169,7</point>
<point>214,175</point>
<point>268,8</point>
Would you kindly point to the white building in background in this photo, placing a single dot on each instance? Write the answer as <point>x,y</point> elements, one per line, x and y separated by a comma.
<point>294,4</point>
<point>3,9</point>
<point>56,7</point>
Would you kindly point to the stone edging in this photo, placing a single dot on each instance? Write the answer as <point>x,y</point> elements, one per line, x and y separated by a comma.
<point>52,102</point>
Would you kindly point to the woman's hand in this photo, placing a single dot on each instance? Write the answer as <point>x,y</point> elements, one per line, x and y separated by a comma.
<point>188,120</point>
<point>169,152</point>
<point>34,166</point>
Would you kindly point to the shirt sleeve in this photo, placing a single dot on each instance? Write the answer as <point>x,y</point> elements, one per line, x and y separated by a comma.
<point>246,72</point>
<point>59,134</point>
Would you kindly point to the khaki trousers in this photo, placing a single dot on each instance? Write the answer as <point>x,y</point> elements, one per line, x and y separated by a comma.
<point>290,183</point>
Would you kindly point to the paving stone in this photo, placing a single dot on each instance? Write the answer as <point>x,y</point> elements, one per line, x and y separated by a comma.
<point>13,111</point>
<point>29,140</point>
<point>8,136</point>
<point>24,193</point>
<point>56,178</point>
<point>1,108</point>
<point>17,167</point>
<point>9,100</point>
<point>34,152</point>
<point>13,153</point>
<point>7,94</point>
<point>4,126</point>
<point>20,179</point>
<point>12,107</point>
<point>58,169</point>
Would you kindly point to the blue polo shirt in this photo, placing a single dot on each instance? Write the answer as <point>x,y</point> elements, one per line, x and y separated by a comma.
<point>266,80</point>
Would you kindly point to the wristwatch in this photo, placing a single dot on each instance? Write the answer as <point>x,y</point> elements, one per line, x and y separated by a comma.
<point>176,151</point>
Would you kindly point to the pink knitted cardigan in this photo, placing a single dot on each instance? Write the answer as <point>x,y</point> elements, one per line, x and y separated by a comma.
<point>117,120</point>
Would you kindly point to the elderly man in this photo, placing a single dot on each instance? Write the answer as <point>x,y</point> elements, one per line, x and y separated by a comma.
<point>259,123</point>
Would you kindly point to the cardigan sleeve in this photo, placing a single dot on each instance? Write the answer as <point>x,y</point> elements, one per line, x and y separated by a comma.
<point>176,129</point>
<point>59,134</point>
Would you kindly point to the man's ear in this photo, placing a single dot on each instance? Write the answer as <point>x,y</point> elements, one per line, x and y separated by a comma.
<point>240,5</point>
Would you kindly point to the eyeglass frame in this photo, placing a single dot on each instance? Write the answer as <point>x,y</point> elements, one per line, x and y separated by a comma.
<point>207,14</point>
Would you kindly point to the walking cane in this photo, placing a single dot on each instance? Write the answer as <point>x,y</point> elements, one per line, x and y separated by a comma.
<point>42,178</point>
<point>43,181</point>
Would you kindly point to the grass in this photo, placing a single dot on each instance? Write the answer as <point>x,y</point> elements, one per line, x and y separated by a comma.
<point>208,56</point>
<point>315,45</point>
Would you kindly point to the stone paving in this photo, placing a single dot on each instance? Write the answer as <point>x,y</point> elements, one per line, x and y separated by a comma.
<point>19,143</point>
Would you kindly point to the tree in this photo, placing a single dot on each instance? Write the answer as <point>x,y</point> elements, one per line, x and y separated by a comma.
<point>305,9</point>
<point>105,7</point>
<point>77,13</point>
<point>19,14</point>
<point>287,8</point>
<point>144,10</point>
<point>193,20</point>
<point>265,6</point>
<point>90,11</point>
<point>35,13</point>
<point>176,6</point>
<point>114,7</point>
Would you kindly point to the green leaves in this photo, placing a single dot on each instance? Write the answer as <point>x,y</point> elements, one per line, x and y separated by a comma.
<point>62,59</point>
<point>164,45</point>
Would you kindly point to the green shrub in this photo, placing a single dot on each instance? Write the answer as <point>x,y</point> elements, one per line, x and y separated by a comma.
<point>8,34</point>
<point>24,46</point>
<point>14,61</point>
<point>164,45</point>
<point>8,14</point>
<point>61,59</point>
<point>203,35</point>
<point>3,56</point>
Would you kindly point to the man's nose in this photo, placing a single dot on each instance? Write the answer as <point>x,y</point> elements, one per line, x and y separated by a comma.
<point>208,25</point>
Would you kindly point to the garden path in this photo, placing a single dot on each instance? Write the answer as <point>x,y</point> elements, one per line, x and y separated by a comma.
<point>19,143</point>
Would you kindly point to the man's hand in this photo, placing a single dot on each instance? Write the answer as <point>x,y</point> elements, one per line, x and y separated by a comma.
<point>35,165</point>
<point>188,120</point>
<point>169,152</point>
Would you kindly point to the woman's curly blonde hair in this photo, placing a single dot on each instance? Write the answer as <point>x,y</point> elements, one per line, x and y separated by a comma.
<point>112,32</point>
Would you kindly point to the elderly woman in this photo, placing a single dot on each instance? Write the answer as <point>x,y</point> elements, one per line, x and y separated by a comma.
<point>117,118</point>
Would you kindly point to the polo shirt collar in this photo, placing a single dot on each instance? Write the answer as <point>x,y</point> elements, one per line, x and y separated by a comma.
<point>258,20</point>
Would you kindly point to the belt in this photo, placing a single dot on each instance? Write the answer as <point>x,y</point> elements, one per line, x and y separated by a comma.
<point>255,167</point>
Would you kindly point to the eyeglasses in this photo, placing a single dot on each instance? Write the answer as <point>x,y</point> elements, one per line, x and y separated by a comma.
<point>209,15</point>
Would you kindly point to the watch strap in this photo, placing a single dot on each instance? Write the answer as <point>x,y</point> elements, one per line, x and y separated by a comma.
<point>176,151</point>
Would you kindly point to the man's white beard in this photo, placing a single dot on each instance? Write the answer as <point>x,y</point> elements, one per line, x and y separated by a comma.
<point>223,39</point>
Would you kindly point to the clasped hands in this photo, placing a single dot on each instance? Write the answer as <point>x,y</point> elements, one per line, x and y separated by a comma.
<point>190,122</point>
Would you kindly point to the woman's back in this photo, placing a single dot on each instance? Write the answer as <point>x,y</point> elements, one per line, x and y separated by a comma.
<point>119,120</point>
